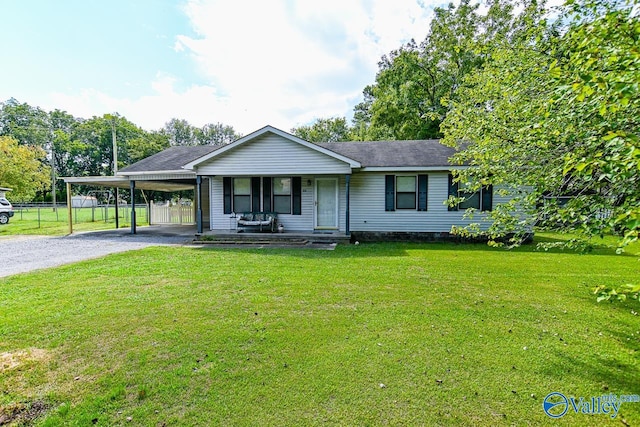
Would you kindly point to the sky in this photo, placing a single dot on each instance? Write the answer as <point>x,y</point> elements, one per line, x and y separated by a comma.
<point>242,63</point>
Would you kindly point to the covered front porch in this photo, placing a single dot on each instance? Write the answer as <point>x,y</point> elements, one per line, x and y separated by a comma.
<point>310,204</point>
<point>306,185</point>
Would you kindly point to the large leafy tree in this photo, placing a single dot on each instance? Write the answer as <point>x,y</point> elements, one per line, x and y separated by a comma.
<point>215,134</point>
<point>325,130</point>
<point>181,132</point>
<point>556,110</point>
<point>62,125</point>
<point>492,119</point>
<point>598,80</point>
<point>146,144</point>
<point>22,169</point>
<point>405,101</point>
<point>28,125</point>
<point>93,143</point>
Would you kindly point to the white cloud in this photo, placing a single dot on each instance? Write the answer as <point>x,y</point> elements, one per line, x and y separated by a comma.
<point>279,62</point>
<point>291,62</point>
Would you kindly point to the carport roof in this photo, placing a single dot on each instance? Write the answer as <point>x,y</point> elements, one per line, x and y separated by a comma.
<point>171,159</point>
<point>123,182</point>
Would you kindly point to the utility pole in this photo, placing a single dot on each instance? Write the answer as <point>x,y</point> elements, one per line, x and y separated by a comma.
<point>115,145</point>
<point>115,164</point>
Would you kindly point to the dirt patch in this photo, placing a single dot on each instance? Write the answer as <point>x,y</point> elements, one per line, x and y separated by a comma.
<point>12,360</point>
<point>23,413</point>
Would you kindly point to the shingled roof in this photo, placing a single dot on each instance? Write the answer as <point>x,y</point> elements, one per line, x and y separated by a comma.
<point>417,153</point>
<point>171,159</point>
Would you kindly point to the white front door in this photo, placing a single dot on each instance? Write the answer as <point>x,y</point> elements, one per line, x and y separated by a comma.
<point>326,201</point>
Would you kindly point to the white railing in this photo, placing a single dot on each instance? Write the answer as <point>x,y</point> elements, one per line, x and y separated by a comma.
<point>176,214</point>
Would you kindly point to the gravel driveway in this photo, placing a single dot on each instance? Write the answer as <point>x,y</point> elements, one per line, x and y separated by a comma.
<point>21,254</point>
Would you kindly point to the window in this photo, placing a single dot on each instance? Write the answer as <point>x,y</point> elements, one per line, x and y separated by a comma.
<point>282,195</point>
<point>406,192</point>
<point>471,199</point>
<point>481,200</point>
<point>242,194</point>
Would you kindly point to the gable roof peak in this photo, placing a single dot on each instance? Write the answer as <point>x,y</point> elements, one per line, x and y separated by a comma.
<point>270,129</point>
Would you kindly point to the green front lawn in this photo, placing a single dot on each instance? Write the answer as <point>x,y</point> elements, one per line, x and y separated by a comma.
<point>50,222</point>
<point>398,334</point>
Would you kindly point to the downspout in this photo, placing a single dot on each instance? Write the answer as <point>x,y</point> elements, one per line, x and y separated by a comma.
<point>347,219</point>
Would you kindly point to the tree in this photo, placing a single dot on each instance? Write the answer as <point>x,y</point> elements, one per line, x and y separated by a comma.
<point>597,81</point>
<point>324,130</point>
<point>28,125</point>
<point>494,121</point>
<point>406,100</point>
<point>62,125</point>
<point>22,169</point>
<point>181,132</point>
<point>92,144</point>
<point>147,144</point>
<point>215,134</point>
<point>556,110</point>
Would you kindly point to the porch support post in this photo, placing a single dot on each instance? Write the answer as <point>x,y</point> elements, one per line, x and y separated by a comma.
<point>347,219</point>
<point>132,187</point>
<point>69,215</point>
<point>117,212</point>
<point>199,204</point>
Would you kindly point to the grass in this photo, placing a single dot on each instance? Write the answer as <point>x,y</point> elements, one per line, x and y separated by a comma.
<point>46,221</point>
<point>400,334</point>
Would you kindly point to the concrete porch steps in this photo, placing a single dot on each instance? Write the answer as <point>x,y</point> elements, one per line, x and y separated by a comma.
<point>301,240</point>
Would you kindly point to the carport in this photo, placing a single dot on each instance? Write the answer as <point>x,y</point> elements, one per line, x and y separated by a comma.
<point>162,171</point>
<point>132,182</point>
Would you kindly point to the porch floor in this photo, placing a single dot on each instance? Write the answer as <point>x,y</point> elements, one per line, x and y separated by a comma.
<point>287,239</point>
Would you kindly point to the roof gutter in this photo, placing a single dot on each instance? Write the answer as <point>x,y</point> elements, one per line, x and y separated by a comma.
<point>158,172</point>
<point>412,168</point>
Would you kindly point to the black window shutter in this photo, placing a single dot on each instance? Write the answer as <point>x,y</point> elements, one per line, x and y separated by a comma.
<point>422,192</point>
<point>487,198</point>
<point>266,194</point>
<point>296,193</point>
<point>226,190</point>
<point>255,194</point>
<point>453,192</point>
<point>389,193</point>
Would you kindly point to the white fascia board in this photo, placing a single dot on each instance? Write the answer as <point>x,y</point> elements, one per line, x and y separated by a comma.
<point>162,172</point>
<point>271,129</point>
<point>91,179</point>
<point>412,168</point>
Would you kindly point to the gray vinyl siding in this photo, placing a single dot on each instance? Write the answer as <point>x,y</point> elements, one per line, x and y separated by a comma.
<point>368,206</point>
<point>272,155</point>
<point>303,222</point>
